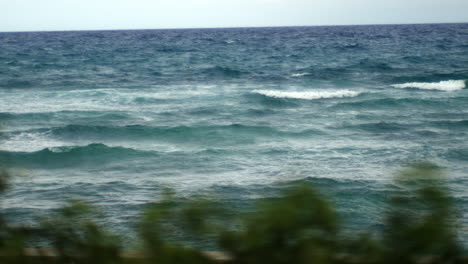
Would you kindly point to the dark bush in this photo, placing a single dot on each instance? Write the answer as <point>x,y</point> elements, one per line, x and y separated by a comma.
<point>298,227</point>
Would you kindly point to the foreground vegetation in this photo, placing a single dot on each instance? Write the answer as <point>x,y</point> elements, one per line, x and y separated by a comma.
<point>298,227</point>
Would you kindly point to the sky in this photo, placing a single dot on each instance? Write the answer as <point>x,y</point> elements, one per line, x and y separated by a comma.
<point>50,15</point>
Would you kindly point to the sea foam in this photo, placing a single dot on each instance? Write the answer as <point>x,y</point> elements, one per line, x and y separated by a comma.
<point>307,95</point>
<point>450,85</point>
<point>300,74</point>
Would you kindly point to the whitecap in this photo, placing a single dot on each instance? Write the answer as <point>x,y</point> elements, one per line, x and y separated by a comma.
<point>450,85</point>
<point>30,142</point>
<point>299,74</point>
<point>307,95</point>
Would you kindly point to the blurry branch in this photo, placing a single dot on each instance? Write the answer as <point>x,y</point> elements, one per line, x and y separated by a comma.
<point>78,239</point>
<point>422,225</point>
<point>298,227</point>
<point>12,238</point>
<point>159,218</point>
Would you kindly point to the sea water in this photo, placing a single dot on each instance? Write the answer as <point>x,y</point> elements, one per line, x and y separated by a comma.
<point>114,117</point>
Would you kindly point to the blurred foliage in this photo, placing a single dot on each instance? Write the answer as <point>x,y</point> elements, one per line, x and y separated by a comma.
<point>422,225</point>
<point>298,227</point>
<point>77,239</point>
<point>159,218</point>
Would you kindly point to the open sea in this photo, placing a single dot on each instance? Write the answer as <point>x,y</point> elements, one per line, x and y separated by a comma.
<point>114,117</point>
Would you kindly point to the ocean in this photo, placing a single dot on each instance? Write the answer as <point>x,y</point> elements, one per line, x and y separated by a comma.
<point>115,117</point>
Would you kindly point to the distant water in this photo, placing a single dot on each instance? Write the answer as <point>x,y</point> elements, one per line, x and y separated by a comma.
<point>115,116</point>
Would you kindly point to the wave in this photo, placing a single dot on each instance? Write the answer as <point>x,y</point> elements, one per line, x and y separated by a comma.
<point>10,84</point>
<point>450,124</point>
<point>307,95</point>
<point>66,115</point>
<point>260,112</point>
<point>219,71</point>
<point>450,85</point>
<point>346,71</point>
<point>222,134</point>
<point>351,46</point>
<point>420,127</point>
<point>379,127</point>
<point>70,156</point>
<point>300,74</point>
<point>428,77</point>
<point>373,66</point>
<point>386,103</point>
<point>327,73</point>
<point>457,154</point>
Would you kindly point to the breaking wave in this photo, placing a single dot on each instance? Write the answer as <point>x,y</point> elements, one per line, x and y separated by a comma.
<point>300,74</point>
<point>450,85</point>
<point>307,95</point>
<point>70,156</point>
<point>211,135</point>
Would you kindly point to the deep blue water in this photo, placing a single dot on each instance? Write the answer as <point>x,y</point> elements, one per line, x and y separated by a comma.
<point>115,116</point>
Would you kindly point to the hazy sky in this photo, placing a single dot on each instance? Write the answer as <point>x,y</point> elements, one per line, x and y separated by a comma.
<point>36,15</point>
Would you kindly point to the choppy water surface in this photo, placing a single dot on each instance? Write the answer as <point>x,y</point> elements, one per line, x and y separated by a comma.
<point>114,116</point>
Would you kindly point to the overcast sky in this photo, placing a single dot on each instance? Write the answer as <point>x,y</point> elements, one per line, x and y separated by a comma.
<point>38,15</point>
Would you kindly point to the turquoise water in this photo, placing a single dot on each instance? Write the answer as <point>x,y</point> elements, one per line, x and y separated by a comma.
<point>113,117</point>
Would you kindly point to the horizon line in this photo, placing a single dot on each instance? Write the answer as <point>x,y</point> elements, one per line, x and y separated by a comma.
<point>233,27</point>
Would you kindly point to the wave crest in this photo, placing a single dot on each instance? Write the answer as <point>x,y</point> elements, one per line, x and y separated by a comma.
<point>307,95</point>
<point>70,156</point>
<point>300,74</point>
<point>450,85</point>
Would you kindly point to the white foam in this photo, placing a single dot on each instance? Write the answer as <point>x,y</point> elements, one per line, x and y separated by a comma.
<point>308,95</point>
<point>299,74</point>
<point>30,142</point>
<point>98,99</point>
<point>450,85</point>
